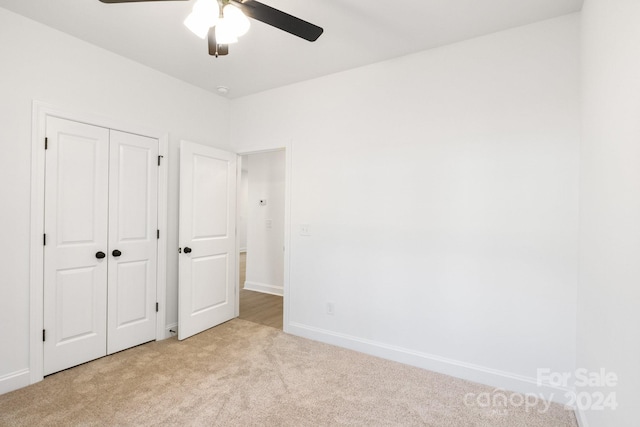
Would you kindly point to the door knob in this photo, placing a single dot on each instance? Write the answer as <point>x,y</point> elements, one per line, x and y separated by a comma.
<point>187,250</point>
<point>116,253</point>
<point>100,255</point>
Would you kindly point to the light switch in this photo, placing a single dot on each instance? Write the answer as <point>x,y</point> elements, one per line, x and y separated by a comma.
<point>268,223</point>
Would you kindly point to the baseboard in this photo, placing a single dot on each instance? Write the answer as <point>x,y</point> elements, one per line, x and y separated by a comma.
<point>167,331</point>
<point>467,371</point>
<point>264,288</point>
<point>581,417</point>
<point>14,381</point>
<point>242,250</point>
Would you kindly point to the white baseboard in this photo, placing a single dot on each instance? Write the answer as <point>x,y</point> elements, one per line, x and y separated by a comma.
<point>264,288</point>
<point>14,381</point>
<point>467,371</point>
<point>167,331</point>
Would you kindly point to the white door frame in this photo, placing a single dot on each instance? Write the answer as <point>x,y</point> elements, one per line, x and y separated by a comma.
<point>288,149</point>
<point>40,112</point>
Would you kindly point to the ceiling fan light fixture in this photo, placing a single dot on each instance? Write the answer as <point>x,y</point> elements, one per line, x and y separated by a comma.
<point>195,25</point>
<point>236,19</point>
<point>223,21</point>
<point>225,33</point>
<point>203,16</point>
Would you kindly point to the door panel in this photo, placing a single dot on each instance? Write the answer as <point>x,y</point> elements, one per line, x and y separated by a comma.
<point>131,293</point>
<point>208,269</point>
<point>207,227</point>
<point>210,219</point>
<point>133,222</point>
<point>75,281</point>
<point>74,319</point>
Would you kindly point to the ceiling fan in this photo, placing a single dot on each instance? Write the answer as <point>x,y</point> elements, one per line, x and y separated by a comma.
<point>223,21</point>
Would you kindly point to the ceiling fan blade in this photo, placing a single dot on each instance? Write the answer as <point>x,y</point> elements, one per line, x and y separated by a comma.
<point>132,1</point>
<point>279,19</point>
<point>216,49</point>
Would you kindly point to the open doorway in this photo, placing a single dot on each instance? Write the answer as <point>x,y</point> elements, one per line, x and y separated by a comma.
<point>261,214</point>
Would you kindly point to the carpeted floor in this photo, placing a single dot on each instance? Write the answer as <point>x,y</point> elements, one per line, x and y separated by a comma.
<point>245,374</point>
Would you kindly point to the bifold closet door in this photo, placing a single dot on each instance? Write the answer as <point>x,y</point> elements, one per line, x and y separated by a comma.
<point>75,262</point>
<point>133,223</point>
<point>100,266</point>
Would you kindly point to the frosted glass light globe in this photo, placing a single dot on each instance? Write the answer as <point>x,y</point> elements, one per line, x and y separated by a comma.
<point>237,20</point>
<point>225,33</point>
<point>204,15</point>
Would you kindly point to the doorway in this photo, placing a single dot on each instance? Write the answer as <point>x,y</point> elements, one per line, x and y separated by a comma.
<point>261,237</point>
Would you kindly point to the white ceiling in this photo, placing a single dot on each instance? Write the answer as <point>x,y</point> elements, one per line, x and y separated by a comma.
<point>356,33</point>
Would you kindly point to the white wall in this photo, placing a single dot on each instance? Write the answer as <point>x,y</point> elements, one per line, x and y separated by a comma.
<point>441,190</point>
<point>265,256</point>
<point>609,290</point>
<point>46,65</point>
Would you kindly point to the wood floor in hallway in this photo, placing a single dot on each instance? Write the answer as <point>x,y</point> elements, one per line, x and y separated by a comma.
<point>257,307</point>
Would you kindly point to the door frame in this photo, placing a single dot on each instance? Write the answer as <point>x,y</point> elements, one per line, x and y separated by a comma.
<point>288,150</point>
<point>40,112</point>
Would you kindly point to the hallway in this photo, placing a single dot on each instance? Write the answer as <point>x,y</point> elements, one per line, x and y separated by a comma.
<point>258,307</point>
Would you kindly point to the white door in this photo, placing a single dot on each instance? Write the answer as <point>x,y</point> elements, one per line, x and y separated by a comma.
<point>75,267</point>
<point>100,253</point>
<point>207,238</point>
<point>133,223</point>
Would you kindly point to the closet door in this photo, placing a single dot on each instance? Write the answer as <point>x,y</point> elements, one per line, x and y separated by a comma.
<point>133,244</point>
<point>75,262</point>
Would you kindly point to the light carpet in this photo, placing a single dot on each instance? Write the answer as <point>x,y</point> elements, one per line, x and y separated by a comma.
<point>244,374</point>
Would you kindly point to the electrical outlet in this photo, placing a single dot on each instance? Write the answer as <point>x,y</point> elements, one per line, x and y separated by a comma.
<point>305,230</point>
<point>268,223</point>
<point>331,309</point>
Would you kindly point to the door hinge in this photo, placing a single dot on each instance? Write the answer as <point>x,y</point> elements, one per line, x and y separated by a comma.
<point>44,335</point>
<point>157,307</point>
<point>44,239</point>
<point>159,157</point>
<point>46,143</point>
<point>158,233</point>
